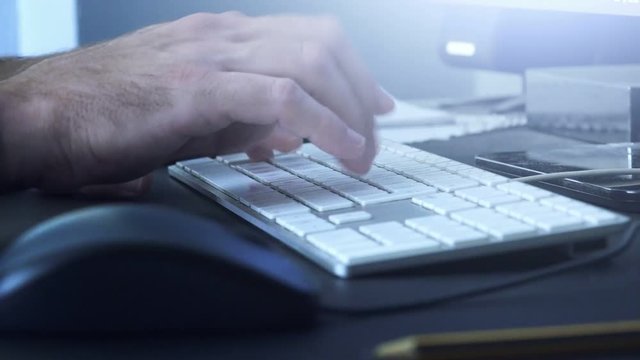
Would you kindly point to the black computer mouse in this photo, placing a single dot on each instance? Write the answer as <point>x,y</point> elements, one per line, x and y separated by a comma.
<point>147,268</point>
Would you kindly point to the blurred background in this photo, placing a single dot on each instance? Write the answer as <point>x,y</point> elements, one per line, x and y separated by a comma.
<point>398,39</point>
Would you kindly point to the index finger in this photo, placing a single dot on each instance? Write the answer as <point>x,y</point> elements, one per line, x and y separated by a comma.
<point>261,100</point>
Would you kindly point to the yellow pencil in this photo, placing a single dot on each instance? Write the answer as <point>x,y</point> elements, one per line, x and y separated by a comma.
<point>514,343</point>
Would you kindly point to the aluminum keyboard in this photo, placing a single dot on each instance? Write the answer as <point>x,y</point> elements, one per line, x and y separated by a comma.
<point>412,208</point>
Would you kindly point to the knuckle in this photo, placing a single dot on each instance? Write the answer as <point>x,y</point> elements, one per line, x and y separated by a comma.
<point>233,14</point>
<point>198,20</point>
<point>204,20</point>
<point>187,73</point>
<point>286,92</point>
<point>316,57</point>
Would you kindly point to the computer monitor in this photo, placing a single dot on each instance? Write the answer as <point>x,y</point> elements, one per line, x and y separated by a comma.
<point>514,35</point>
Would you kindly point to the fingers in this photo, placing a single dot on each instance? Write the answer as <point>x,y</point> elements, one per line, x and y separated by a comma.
<point>260,153</point>
<point>262,100</point>
<point>315,69</point>
<point>327,33</point>
<point>311,66</point>
<point>280,140</point>
<point>316,54</point>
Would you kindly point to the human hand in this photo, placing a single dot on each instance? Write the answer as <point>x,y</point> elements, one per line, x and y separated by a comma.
<point>203,85</point>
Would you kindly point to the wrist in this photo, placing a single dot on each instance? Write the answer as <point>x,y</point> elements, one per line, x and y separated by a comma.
<point>10,179</point>
<point>20,142</point>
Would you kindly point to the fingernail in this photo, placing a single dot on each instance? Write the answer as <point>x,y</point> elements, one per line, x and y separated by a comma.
<point>385,101</point>
<point>358,141</point>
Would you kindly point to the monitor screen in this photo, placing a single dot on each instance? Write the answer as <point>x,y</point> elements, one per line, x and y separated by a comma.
<point>517,35</point>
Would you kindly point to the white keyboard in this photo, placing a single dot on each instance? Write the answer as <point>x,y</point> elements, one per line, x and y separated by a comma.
<point>412,208</point>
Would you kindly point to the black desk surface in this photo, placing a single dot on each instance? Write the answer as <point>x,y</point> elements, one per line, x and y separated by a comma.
<point>604,292</point>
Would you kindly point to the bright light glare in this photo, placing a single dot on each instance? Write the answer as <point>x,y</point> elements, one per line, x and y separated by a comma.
<point>461,48</point>
<point>613,7</point>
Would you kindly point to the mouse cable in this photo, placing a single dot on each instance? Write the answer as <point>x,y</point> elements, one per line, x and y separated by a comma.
<point>577,173</point>
<point>520,279</point>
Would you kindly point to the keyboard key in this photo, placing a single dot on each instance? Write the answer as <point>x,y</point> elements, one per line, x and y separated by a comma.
<point>459,168</point>
<point>599,217</point>
<point>264,172</point>
<point>485,177</point>
<point>323,200</point>
<point>347,245</point>
<point>220,176</point>
<point>559,202</point>
<point>233,158</point>
<point>342,238</point>
<point>498,200</point>
<point>410,187</point>
<point>304,224</point>
<point>589,213</point>
<point>524,208</point>
<point>191,165</point>
<point>271,211</point>
<point>541,216</point>
<point>496,224</point>
<point>284,206</point>
<point>349,217</point>
<point>442,203</point>
<point>354,188</point>
<point>378,197</point>
<point>486,195</point>
<point>400,148</point>
<point>446,230</point>
<point>350,247</point>
<point>526,191</point>
<point>446,181</point>
<point>391,232</point>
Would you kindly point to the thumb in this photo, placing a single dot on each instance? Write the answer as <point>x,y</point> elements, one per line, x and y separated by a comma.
<point>130,189</point>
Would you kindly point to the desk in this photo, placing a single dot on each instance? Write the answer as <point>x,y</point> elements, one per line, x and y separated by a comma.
<point>604,292</point>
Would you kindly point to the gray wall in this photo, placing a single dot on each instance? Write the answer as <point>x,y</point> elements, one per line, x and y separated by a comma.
<point>397,38</point>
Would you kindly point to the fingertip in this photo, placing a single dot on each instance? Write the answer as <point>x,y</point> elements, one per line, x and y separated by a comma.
<point>386,103</point>
<point>359,167</point>
<point>288,144</point>
<point>260,153</point>
<point>357,144</point>
<point>362,164</point>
